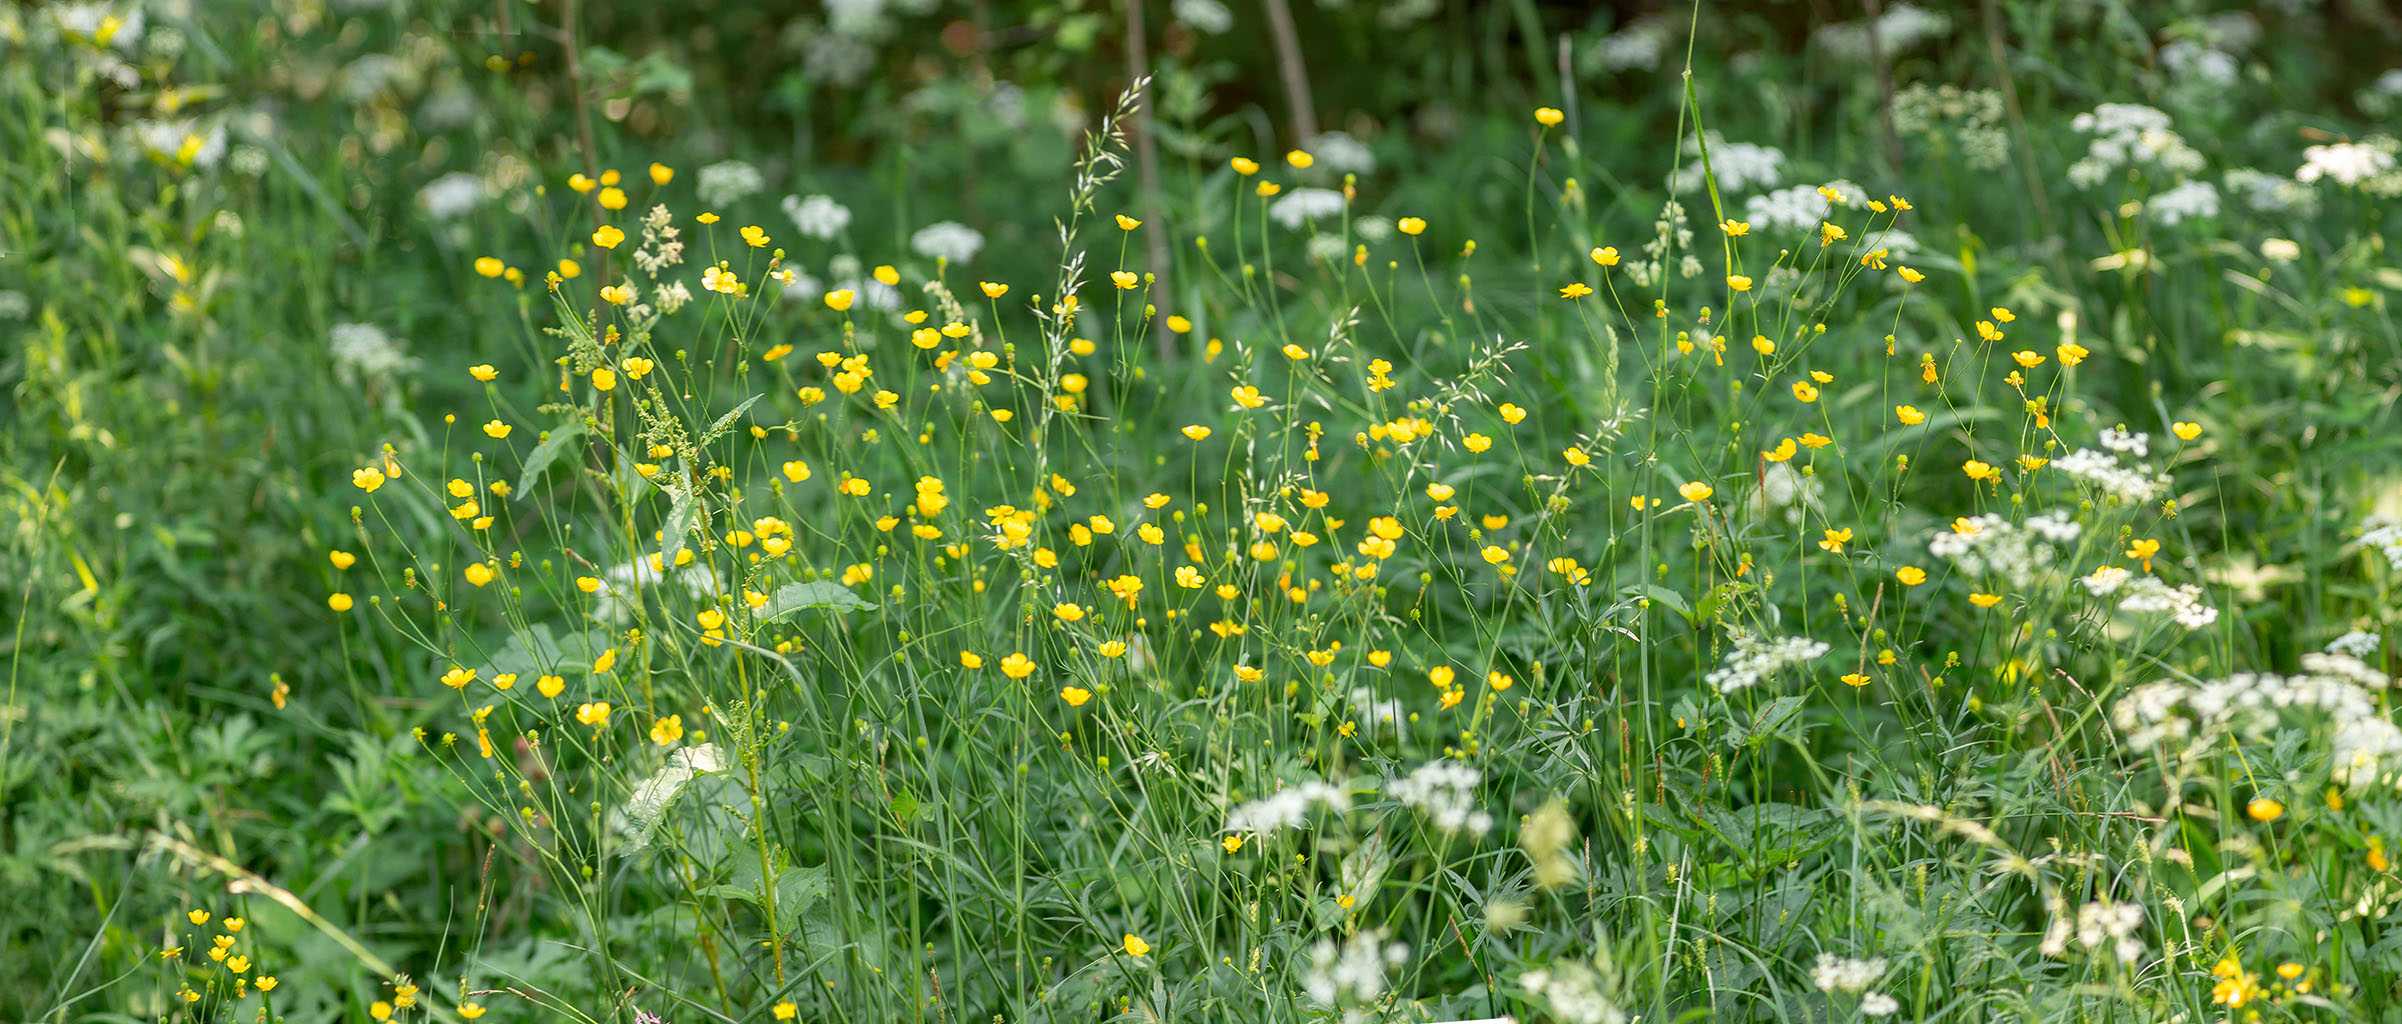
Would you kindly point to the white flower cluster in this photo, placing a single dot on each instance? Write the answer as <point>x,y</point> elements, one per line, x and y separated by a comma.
<point>817,216</point>
<point>1969,119</point>
<point>1302,205</point>
<point>1845,974</point>
<point>2150,595</point>
<point>2186,200</point>
<point>1342,154</point>
<point>661,246</point>
<point>1991,544</point>
<point>1574,993</point>
<point>728,181</point>
<point>2347,163</point>
<point>1374,711</point>
<point>1353,973</point>
<point>2383,96</point>
<point>2097,922</point>
<point>2195,62</point>
<point>1286,808</point>
<point>2129,135</point>
<point>1755,659</point>
<point>1207,15</point>
<point>2127,442</point>
<point>451,195</point>
<point>1795,208</point>
<point>2132,484</point>
<point>946,240</point>
<point>2354,644</point>
<point>2383,536</point>
<point>2339,687</point>
<point>1738,166</point>
<point>1902,26</point>
<point>2269,193</point>
<point>1444,790</point>
<point>1640,44</point>
<point>363,352</point>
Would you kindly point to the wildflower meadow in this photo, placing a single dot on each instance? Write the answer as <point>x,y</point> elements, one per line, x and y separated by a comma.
<point>1215,510</point>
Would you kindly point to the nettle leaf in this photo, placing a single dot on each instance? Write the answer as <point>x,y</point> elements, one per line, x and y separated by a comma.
<point>552,446</point>
<point>793,597</point>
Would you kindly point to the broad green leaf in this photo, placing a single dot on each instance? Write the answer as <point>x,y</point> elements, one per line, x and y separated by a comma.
<point>535,652</point>
<point>547,452</point>
<point>1767,722</point>
<point>649,803</point>
<point>681,518</point>
<point>793,597</point>
<point>796,890</point>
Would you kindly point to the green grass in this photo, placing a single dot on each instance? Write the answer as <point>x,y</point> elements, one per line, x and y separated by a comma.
<point>1387,522</point>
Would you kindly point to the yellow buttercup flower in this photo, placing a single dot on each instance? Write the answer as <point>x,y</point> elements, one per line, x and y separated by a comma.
<point>608,236</point>
<point>1411,225</point>
<point>1549,116</point>
<point>1696,491</point>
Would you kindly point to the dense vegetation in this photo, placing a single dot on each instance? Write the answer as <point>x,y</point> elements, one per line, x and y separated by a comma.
<point>1056,511</point>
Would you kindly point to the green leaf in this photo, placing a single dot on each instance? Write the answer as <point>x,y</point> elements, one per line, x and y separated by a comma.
<point>793,597</point>
<point>535,652</point>
<point>552,446</point>
<point>1766,723</point>
<point>727,420</point>
<point>796,890</point>
<point>1674,600</point>
<point>680,520</point>
<point>1772,833</point>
